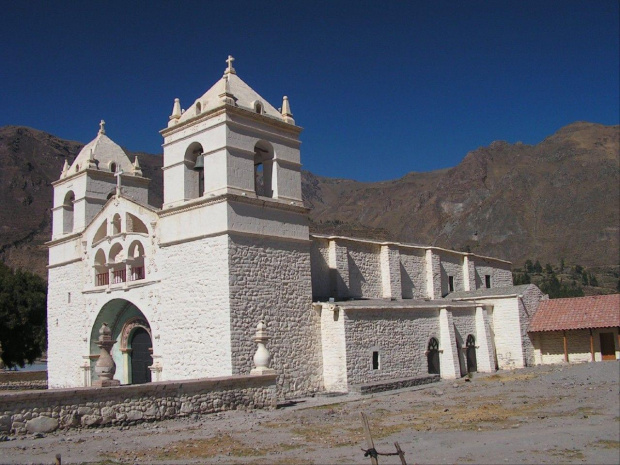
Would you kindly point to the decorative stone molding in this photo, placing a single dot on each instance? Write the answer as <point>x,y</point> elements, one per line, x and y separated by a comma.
<point>262,357</point>
<point>105,366</point>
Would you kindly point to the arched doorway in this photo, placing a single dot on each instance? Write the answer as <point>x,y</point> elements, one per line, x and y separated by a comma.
<point>432,356</point>
<point>472,363</point>
<point>141,356</point>
<point>131,332</point>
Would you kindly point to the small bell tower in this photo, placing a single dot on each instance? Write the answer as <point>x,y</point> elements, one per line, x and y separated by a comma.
<point>96,175</point>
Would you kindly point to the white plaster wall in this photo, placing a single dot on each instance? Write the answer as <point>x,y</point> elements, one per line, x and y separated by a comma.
<point>507,327</point>
<point>400,336</point>
<point>65,326</point>
<point>270,279</point>
<point>365,279</point>
<point>334,349</point>
<point>195,309</point>
<point>253,219</point>
<point>195,222</point>
<point>413,273</point>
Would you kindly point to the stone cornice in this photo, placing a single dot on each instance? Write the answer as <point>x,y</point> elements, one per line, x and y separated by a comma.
<point>101,175</point>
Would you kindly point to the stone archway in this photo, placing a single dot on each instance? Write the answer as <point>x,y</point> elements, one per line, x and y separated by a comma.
<point>125,320</point>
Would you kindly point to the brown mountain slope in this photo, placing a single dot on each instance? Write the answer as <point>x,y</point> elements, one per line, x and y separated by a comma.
<point>557,199</point>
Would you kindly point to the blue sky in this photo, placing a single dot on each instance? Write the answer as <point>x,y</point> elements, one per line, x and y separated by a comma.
<point>381,88</point>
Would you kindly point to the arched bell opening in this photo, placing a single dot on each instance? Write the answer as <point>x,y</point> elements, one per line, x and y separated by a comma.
<point>432,357</point>
<point>68,212</point>
<point>132,351</point>
<point>264,174</point>
<point>194,171</point>
<point>135,261</point>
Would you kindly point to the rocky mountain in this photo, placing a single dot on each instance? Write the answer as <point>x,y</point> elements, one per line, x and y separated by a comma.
<point>557,199</point>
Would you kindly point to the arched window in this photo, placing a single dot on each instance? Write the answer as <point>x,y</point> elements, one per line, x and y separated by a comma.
<point>263,169</point>
<point>113,167</point>
<point>102,276</point>
<point>194,171</point>
<point>432,356</point>
<point>116,224</point>
<point>136,261</point>
<point>258,107</point>
<point>67,212</point>
<point>198,108</point>
<point>117,262</point>
<point>102,232</point>
<point>134,224</point>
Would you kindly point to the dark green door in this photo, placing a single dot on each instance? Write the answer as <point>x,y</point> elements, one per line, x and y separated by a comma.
<point>141,358</point>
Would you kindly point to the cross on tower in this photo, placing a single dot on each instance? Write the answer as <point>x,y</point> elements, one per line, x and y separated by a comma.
<point>118,182</point>
<point>230,69</point>
<point>102,127</point>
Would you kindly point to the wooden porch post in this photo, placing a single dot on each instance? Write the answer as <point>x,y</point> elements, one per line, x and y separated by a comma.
<point>591,344</point>
<point>565,348</point>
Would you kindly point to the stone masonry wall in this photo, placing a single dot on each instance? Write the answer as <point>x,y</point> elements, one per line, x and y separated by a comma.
<point>464,324</point>
<point>413,273</point>
<point>319,258</point>
<point>21,380</point>
<point>451,265</point>
<point>270,280</point>
<point>400,336</point>
<point>46,411</point>
<point>501,275</point>
<point>528,306</point>
<point>365,279</point>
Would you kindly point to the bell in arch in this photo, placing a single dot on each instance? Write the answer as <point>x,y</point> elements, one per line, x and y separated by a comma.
<point>200,163</point>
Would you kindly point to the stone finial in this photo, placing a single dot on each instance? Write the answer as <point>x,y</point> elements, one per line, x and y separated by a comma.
<point>136,170</point>
<point>92,163</point>
<point>65,169</point>
<point>226,95</point>
<point>176,110</point>
<point>287,116</point>
<point>262,357</point>
<point>102,127</point>
<point>230,69</point>
<point>105,366</point>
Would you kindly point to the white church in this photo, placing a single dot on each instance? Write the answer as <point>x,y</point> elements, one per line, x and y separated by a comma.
<point>182,287</point>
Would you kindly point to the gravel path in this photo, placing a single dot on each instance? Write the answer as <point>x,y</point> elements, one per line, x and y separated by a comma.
<point>547,414</point>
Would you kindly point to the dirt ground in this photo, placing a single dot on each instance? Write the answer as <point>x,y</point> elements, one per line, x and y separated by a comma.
<point>548,414</point>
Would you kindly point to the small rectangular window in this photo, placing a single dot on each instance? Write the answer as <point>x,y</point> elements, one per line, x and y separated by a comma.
<point>68,297</point>
<point>487,281</point>
<point>451,283</point>
<point>375,360</point>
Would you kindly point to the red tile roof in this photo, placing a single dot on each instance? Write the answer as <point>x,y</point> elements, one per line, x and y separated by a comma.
<point>599,311</point>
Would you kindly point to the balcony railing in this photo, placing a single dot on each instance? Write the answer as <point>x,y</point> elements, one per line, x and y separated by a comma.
<point>119,276</point>
<point>137,273</point>
<point>102,279</point>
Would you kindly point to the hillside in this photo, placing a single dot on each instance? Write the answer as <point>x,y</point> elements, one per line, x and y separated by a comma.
<point>557,199</point>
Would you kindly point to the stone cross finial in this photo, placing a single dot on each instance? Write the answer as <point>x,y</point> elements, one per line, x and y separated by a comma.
<point>102,127</point>
<point>118,181</point>
<point>230,69</point>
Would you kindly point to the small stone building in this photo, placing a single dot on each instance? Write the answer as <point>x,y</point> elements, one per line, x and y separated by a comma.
<point>581,329</point>
<point>182,287</point>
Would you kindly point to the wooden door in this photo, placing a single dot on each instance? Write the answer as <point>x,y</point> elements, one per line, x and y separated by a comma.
<point>433,357</point>
<point>608,347</point>
<point>141,358</point>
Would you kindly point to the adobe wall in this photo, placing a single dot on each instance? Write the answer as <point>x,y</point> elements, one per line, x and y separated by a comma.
<point>46,411</point>
<point>270,280</point>
<point>21,380</point>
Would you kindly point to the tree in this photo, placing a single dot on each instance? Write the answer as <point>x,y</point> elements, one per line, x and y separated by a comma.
<point>593,280</point>
<point>23,315</point>
<point>529,266</point>
<point>562,265</point>
<point>537,267</point>
<point>548,269</point>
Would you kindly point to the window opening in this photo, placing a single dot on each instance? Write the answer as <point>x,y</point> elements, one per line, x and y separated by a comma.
<point>451,283</point>
<point>67,212</point>
<point>487,281</point>
<point>113,167</point>
<point>375,360</point>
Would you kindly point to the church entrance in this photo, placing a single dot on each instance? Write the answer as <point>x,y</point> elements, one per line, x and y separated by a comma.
<point>432,356</point>
<point>472,363</point>
<point>141,356</point>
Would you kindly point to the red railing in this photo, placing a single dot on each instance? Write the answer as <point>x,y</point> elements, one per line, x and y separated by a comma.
<point>137,273</point>
<point>119,276</point>
<point>102,279</point>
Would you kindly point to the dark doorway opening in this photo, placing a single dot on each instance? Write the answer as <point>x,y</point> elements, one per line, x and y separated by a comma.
<point>472,363</point>
<point>433,357</point>
<point>141,357</point>
<point>608,347</point>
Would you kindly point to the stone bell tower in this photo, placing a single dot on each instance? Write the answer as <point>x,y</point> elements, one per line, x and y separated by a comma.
<point>234,232</point>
